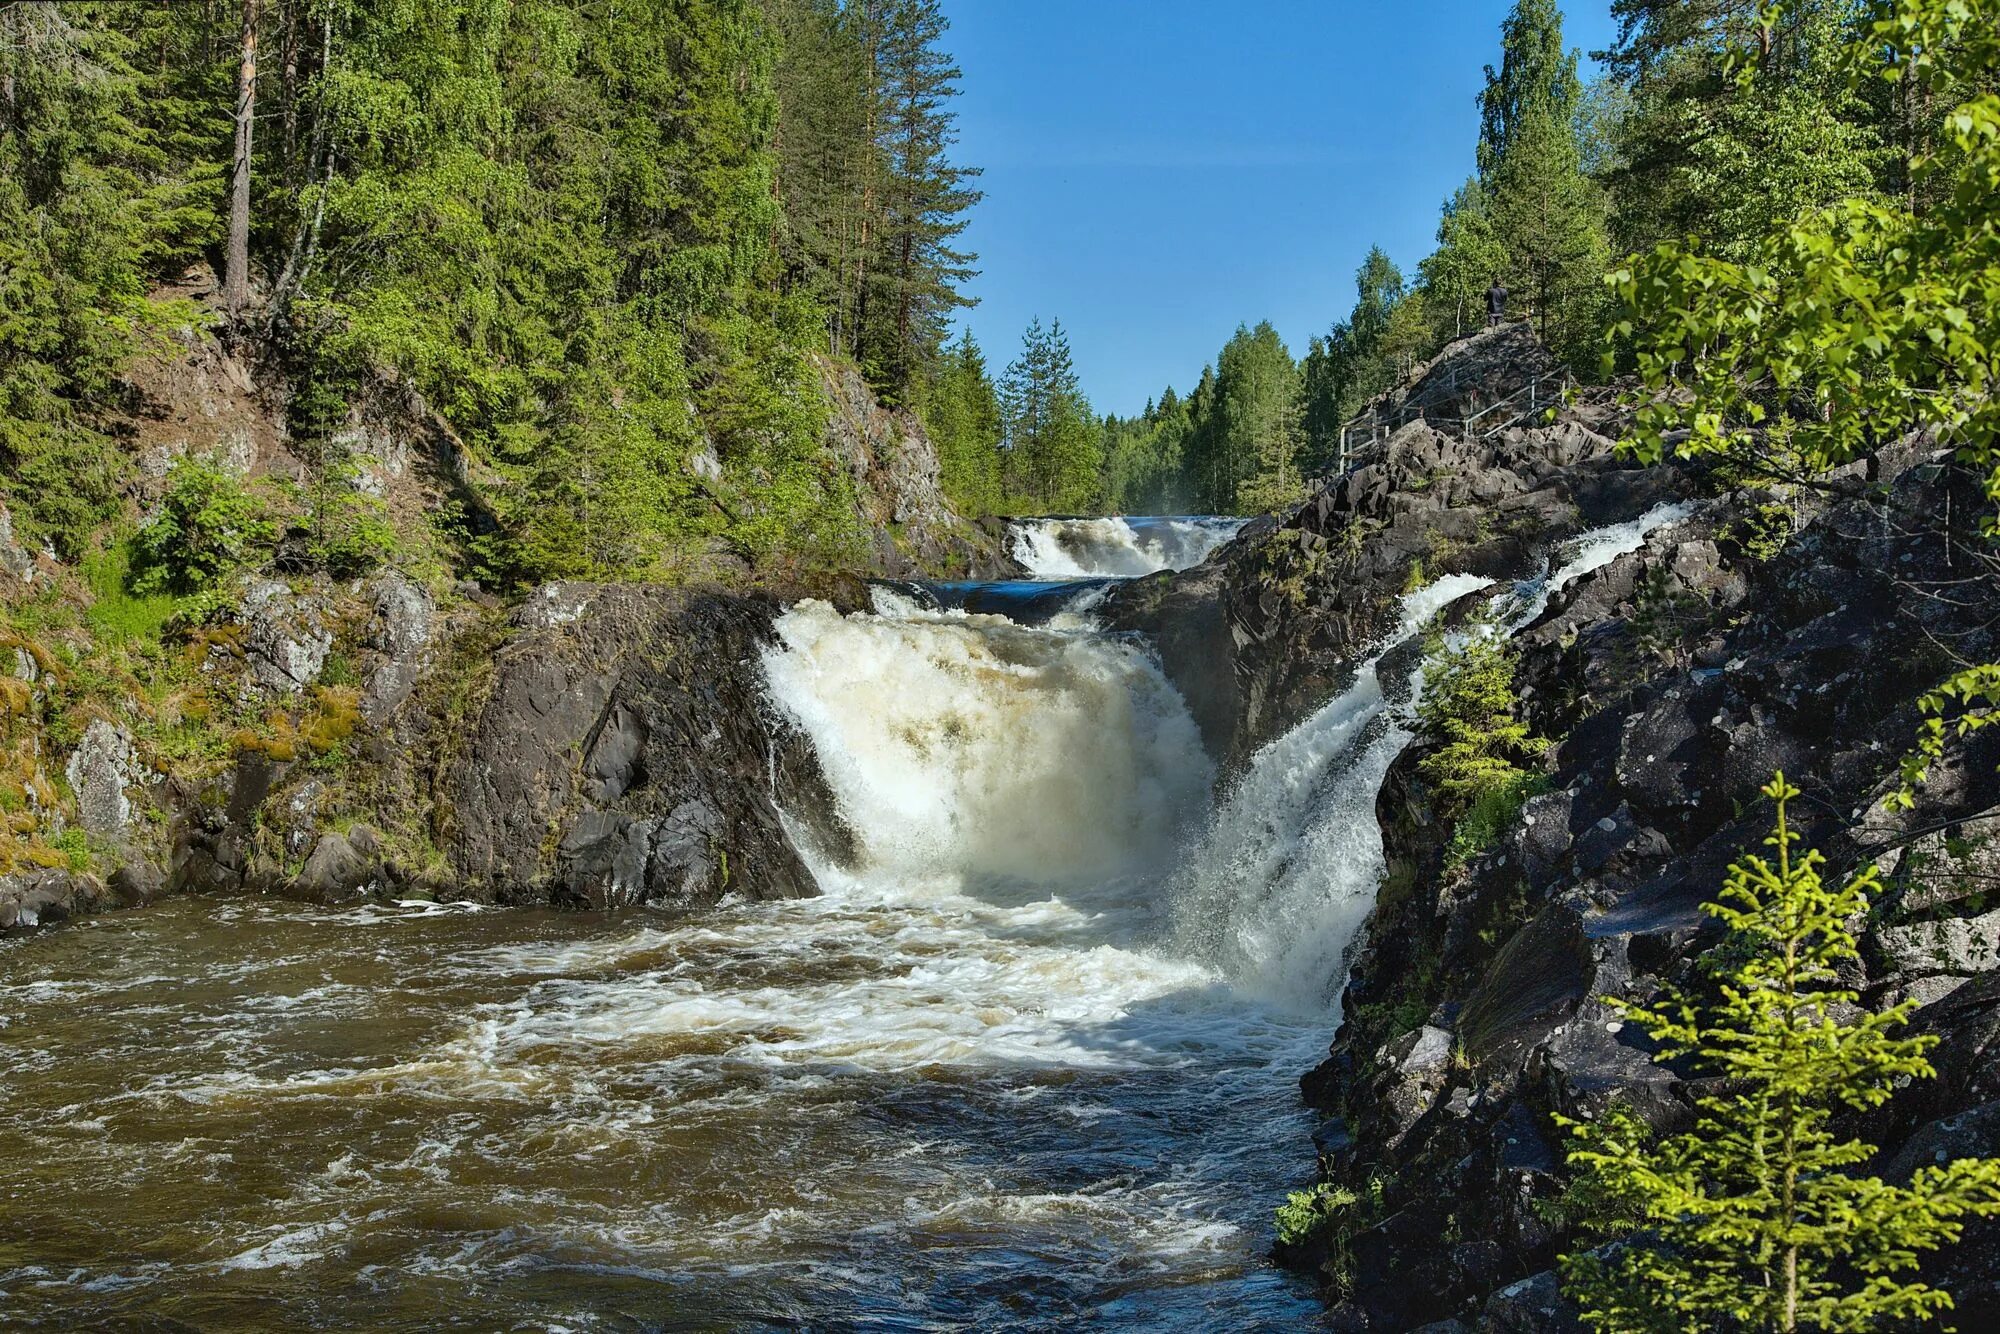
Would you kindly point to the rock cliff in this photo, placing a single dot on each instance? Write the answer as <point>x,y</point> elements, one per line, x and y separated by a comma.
<point>1759,632</point>
<point>404,733</point>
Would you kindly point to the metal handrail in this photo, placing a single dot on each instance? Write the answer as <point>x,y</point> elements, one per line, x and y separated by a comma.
<point>1378,431</point>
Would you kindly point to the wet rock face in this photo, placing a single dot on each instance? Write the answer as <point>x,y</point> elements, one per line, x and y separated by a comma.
<point>1676,679</point>
<point>625,756</point>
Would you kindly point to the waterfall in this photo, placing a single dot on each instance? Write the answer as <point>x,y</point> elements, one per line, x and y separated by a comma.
<point>970,746</point>
<point>1286,875</point>
<point>1117,547</point>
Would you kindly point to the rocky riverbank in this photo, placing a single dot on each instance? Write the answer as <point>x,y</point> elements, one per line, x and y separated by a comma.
<point>1758,632</point>
<point>402,732</point>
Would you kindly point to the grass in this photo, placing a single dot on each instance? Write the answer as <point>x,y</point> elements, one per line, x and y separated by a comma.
<point>116,612</point>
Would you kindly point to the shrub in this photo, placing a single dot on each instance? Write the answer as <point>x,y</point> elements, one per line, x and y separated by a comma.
<point>1305,1212</point>
<point>1467,710</point>
<point>116,611</point>
<point>74,845</point>
<point>1491,814</point>
<point>205,529</point>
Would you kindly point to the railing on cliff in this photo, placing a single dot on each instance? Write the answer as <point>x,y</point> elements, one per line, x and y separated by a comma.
<point>1363,434</point>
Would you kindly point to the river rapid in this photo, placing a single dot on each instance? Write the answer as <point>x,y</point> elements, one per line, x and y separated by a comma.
<point>1031,1059</point>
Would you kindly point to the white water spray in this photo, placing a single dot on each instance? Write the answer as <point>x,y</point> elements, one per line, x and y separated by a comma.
<point>1287,873</point>
<point>1117,547</point>
<point>969,746</point>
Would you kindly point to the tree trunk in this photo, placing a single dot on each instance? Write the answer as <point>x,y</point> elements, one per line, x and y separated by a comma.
<point>236,262</point>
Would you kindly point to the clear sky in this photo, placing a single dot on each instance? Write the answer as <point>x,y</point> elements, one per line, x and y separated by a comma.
<point>1160,171</point>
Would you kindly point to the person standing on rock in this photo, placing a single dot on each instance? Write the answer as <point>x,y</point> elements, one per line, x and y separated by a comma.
<point>1496,304</point>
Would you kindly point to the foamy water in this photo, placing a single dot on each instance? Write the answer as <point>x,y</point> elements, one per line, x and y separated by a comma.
<point>1117,546</point>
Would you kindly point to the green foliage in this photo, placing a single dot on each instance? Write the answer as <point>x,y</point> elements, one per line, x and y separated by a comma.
<point>962,413</point>
<point>1051,456</point>
<point>1466,710</point>
<point>1757,1218</point>
<point>1852,323</point>
<point>1764,531</point>
<point>74,845</point>
<point>117,611</point>
<point>1736,117</point>
<point>1840,328</point>
<point>1306,1212</point>
<point>205,529</point>
<point>1492,812</point>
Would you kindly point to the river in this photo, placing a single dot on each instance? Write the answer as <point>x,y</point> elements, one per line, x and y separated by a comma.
<point>1031,1060</point>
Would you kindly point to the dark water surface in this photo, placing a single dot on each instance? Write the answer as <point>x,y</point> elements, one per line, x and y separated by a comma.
<point>860,1112</point>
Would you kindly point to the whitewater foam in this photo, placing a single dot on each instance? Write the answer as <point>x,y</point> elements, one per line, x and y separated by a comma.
<point>966,745</point>
<point>1117,546</point>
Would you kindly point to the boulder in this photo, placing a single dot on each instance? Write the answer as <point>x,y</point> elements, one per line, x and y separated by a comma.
<point>45,898</point>
<point>343,868</point>
<point>15,562</point>
<point>1533,1305</point>
<point>100,770</point>
<point>285,637</point>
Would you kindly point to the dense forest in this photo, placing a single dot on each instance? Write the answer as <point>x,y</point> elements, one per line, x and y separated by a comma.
<point>607,245</point>
<point>605,242</point>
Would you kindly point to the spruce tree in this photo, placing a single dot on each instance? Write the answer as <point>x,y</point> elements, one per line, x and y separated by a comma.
<point>1546,215</point>
<point>962,412</point>
<point>1052,455</point>
<point>925,196</point>
<point>1758,1218</point>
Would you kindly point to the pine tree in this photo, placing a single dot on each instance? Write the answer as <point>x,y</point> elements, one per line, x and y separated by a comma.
<point>1757,1219</point>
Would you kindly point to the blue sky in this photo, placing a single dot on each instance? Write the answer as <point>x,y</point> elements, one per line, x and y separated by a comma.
<point>1159,171</point>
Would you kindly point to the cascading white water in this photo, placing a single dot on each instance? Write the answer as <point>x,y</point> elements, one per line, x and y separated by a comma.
<point>968,745</point>
<point>1287,872</point>
<point>1116,546</point>
<point>1288,869</point>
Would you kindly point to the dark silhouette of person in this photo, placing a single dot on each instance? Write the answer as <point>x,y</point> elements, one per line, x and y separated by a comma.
<point>1496,304</point>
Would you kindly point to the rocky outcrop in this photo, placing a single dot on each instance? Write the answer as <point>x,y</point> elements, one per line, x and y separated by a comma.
<point>285,636</point>
<point>624,755</point>
<point>1759,632</point>
<point>1677,678</point>
<point>913,530</point>
<point>1272,624</point>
